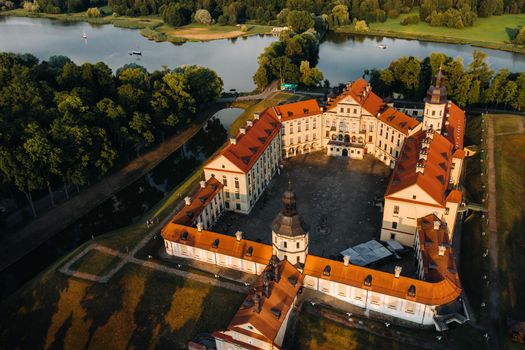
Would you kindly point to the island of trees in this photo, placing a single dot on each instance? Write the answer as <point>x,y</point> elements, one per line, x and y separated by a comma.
<point>66,125</point>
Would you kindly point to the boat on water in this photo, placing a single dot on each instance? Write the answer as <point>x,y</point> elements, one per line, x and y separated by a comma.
<point>84,35</point>
<point>381,46</point>
<point>135,52</point>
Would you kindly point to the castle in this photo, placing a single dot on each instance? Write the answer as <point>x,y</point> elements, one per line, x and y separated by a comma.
<point>420,211</point>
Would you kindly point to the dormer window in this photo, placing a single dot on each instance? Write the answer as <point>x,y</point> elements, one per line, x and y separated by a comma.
<point>215,244</point>
<point>368,281</point>
<point>326,271</point>
<point>249,252</point>
<point>412,291</point>
<point>184,236</point>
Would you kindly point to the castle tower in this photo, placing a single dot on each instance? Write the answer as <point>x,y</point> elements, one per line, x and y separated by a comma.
<point>435,104</point>
<point>289,233</point>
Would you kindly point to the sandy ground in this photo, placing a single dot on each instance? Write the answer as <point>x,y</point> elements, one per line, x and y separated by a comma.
<point>203,34</point>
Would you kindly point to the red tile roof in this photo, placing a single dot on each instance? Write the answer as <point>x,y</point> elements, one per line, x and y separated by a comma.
<point>281,299</point>
<point>436,267</point>
<point>227,245</point>
<point>189,213</point>
<point>435,178</point>
<point>251,145</point>
<point>438,293</point>
<point>455,128</point>
<point>398,120</point>
<point>362,93</point>
<point>299,109</point>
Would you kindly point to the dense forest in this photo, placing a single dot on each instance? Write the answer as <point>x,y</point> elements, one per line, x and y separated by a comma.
<point>475,84</point>
<point>66,125</point>
<point>457,14</point>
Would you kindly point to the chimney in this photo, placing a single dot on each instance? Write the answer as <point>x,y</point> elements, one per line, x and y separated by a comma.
<point>200,226</point>
<point>279,116</point>
<point>441,250</point>
<point>437,223</point>
<point>249,123</point>
<point>256,116</point>
<point>346,260</point>
<point>426,142</point>
<point>321,109</point>
<point>187,200</point>
<point>257,302</point>
<point>430,133</point>
<point>397,271</point>
<point>233,140</point>
<point>242,131</point>
<point>203,184</point>
<point>238,235</point>
<point>420,167</point>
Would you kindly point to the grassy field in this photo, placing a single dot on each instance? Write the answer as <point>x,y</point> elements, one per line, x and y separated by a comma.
<point>95,263</point>
<point>253,107</point>
<point>140,308</point>
<point>493,32</point>
<point>510,187</point>
<point>314,332</point>
<point>152,27</point>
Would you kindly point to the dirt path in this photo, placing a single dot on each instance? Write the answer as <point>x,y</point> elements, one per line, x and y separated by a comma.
<point>494,301</point>
<point>17,244</point>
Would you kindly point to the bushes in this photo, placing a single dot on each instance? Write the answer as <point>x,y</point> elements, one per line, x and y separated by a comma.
<point>410,19</point>
<point>361,26</point>
<point>520,37</point>
<point>93,12</point>
<point>244,28</point>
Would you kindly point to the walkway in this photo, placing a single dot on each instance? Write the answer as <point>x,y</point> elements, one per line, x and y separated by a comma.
<point>494,300</point>
<point>17,244</point>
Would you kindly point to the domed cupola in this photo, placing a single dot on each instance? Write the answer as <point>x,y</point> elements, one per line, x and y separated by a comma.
<point>289,232</point>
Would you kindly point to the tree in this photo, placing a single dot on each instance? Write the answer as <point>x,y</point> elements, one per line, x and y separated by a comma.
<point>361,26</point>
<point>93,12</point>
<point>205,86</point>
<point>203,16</point>
<point>509,93</point>
<point>494,92</point>
<point>479,68</point>
<point>310,76</point>
<point>341,15</point>
<point>300,21</point>
<point>176,14</point>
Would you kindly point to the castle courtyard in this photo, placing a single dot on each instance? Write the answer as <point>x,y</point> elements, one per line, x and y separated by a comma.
<point>334,197</point>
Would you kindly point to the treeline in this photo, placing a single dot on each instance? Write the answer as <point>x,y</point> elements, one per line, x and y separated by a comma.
<point>466,85</point>
<point>291,59</point>
<point>65,6</point>
<point>66,125</point>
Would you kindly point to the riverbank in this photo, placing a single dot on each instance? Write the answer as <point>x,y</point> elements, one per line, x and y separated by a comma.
<point>492,33</point>
<point>153,27</point>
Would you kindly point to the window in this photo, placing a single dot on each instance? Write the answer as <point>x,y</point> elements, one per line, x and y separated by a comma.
<point>298,260</point>
<point>414,197</point>
<point>224,181</point>
<point>355,110</point>
<point>392,235</point>
<point>291,129</point>
<point>314,136</point>
<point>342,110</point>
<point>227,194</point>
<point>370,138</point>
<point>285,244</point>
<point>238,206</point>
<point>285,257</point>
<point>227,205</point>
<point>379,143</point>
<point>394,225</point>
<point>433,112</point>
<point>410,307</point>
<point>381,132</point>
<point>299,139</point>
<point>236,182</point>
<point>297,245</point>
<point>327,134</point>
<point>453,165</point>
<point>447,210</point>
<point>237,195</point>
<point>396,209</point>
<point>306,138</point>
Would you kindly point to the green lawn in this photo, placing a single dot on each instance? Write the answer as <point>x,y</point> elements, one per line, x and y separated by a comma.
<point>510,187</point>
<point>252,107</point>
<point>140,308</point>
<point>492,32</point>
<point>95,263</point>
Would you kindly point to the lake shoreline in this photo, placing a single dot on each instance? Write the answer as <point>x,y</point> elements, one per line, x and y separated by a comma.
<point>149,26</point>
<point>433,38</point>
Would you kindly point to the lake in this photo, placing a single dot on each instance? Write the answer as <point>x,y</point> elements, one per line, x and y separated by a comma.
<point>341,57</point>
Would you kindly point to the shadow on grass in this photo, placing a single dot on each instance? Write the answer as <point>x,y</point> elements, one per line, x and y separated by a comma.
<point>26,317</point>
